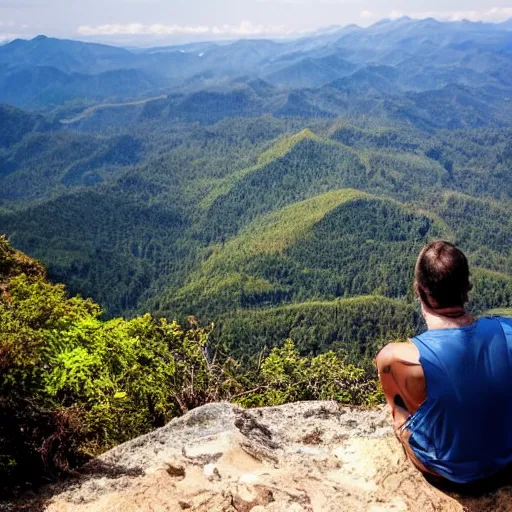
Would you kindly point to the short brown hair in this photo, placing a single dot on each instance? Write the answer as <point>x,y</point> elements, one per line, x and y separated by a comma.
<point>442,276</point>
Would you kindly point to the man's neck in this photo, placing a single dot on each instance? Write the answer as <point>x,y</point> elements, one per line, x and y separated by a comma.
<point>446,318</point>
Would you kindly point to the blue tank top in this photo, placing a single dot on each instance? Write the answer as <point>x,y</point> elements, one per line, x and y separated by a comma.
<point>463,430</point>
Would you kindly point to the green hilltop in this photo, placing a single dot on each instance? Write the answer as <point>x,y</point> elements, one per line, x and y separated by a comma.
<point>305,165</point>
<point>312,248</point>
<point>284,145</point>
<point>278,150</point>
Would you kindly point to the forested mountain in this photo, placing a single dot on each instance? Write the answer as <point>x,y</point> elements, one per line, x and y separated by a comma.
<point>278,189</point>
<point>391,57</point>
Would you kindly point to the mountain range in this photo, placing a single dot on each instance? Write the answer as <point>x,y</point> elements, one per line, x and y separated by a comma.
<point>407,55</point>
<point>277,188</point>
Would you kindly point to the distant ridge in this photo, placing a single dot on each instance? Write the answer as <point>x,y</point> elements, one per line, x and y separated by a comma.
<point>428,55</point>
<point>214,179</point>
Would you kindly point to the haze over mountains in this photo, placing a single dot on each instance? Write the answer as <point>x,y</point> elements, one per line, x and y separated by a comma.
<point>279,188</point>
<point>392,56</point>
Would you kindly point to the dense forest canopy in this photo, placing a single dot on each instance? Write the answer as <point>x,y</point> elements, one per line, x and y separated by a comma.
<point>263,175</point>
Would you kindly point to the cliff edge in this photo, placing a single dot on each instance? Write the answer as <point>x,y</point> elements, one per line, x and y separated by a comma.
<point>302,457</point>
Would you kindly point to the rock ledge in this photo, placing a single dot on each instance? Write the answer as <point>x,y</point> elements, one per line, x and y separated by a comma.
<point>302,457</point>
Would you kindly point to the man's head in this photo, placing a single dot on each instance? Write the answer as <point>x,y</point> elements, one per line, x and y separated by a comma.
<point>442,276</point>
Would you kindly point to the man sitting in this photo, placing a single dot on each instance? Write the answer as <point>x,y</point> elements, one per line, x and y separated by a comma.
<point>450,388</point>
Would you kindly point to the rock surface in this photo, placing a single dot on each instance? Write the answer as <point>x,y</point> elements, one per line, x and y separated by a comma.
<point>301,457</point>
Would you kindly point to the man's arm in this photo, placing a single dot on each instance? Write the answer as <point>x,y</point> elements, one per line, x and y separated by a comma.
<point>403,383</point>
<point>402,379</point>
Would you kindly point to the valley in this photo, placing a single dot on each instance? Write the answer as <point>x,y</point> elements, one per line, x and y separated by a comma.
<point>266,180</point>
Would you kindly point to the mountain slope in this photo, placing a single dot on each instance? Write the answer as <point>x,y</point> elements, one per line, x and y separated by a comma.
<point>16,123</point>
<point>44,164</point>
<point>217,179</point>
<point>358,325</point>
<point>482,224</point>
<point>104,244</point>
<point>278,150</point>
<point>65,55</point>
<point>311,72</point>
<point>38,86</point>
<point>387,58</point>
<point>308,166</point>
<point>329,246</point>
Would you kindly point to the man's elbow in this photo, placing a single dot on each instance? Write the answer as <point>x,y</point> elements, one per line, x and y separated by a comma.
<point>385,358</point>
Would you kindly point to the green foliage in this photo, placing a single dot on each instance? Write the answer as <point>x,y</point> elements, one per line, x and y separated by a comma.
<point>358,327</point>
<point>312,166</point>
<point>285,377</point>
<point>248,214</point>
<point>492,290</point>
<point>98,383</point>
<point>280,149</point>
<point>169,232</point>
<point>339,244</point>
<point>131,375</point>
<point>73,385</point>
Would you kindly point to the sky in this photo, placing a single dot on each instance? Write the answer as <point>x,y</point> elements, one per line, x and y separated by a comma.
<point>143,22</point>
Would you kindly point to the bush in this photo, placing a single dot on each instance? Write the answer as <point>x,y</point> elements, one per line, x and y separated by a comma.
<point>73,385</point>
<point>285,376</point>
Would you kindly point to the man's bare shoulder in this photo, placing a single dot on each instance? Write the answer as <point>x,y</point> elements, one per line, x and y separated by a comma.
<point>405,353</point>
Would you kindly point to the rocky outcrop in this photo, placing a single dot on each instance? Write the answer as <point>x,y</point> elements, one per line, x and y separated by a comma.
<point>301,457</point>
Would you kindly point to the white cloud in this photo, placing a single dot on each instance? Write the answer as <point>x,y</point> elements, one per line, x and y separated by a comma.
<point>368,15</point>
<point>499,13</point>
<point>495,14</point>
<point>140,29</point>
<point>312,2</point>
<point>393,15</point>
<point>245,28</point>
<point>9,37</point>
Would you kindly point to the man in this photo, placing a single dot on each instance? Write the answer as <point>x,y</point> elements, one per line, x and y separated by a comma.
<point>450,388</point>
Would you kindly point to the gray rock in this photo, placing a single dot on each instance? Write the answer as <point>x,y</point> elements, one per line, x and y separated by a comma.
<point>301,457</point>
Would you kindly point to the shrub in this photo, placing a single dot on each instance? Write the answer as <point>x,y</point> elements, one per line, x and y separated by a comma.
<point>73,385</point>
<point>285,376</point>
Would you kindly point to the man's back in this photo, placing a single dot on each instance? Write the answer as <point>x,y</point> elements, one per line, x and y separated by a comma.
<point>463,430</point>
